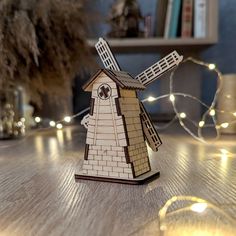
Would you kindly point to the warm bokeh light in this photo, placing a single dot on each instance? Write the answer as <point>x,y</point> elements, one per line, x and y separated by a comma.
<point>224,151</point>
<point>37,119</point>
<point>182,115</point>
<point>172,98</point>
<point>67,119</point>
<point>201,123</point>
<point>199,207</point>
<point>212,112</point>
<point>183,222</point>
<point>151,99</point>
<point>52,123</point>
<point>211,66</point>
<point>234,113</point>
<point>59,126</point>
<point>224,125</point>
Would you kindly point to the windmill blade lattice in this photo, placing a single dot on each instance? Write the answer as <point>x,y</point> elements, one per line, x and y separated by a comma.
<point>150,132</point>
<point>146,77</point>
<point>159,68</point>
<point>106,55</point>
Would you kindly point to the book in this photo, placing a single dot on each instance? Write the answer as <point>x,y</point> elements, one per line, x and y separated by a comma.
<point>168,18</point>
<point>200,18</point>
<point>187,19</point>
<point>147,26</point>
<point>160,17</point>
<point>149,12</point>
<point>174,19</point>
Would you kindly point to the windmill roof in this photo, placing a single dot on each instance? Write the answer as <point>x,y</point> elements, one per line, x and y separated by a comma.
<point>121,78</point>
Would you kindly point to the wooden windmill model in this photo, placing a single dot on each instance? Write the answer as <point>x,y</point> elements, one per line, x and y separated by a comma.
<point>118,124</point>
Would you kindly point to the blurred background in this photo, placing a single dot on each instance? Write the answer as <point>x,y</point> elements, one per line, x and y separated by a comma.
<point>216,45</point>
<point>47,51</point>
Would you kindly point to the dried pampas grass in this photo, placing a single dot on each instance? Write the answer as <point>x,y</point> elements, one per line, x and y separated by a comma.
<point>42,45</point>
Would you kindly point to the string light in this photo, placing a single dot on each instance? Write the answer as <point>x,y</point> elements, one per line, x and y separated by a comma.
<point>67,119</point>
<point>211,66</point>
<point>212,112</point>
<point>201,123</point>
<point>84,111</point>
<point>151,99</point>
<point>172,98</point>
<point>225,125</point>
<point>199,207</point>
<point>182,115</point>
<point>52,123</point>
<point>37,119</point>
<point>59,126</point>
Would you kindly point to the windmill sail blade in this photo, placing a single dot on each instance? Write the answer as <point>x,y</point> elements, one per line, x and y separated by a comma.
<point>159,68</point>
<point>106,55</point>
<point>150,132</point>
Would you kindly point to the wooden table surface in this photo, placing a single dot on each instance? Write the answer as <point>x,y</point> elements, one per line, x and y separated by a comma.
<point>39,196</point>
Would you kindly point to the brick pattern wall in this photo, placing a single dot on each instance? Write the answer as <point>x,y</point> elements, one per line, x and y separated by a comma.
<point>105,126</point>
<point>106,136</point>
<point>137,148</point>
<point>109,161</point>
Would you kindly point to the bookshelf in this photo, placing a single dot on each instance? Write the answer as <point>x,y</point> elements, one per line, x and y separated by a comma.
<point>185,46</point>
<point>138,45</point>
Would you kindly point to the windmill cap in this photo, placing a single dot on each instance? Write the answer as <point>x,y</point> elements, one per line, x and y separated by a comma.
<point>121,78</point>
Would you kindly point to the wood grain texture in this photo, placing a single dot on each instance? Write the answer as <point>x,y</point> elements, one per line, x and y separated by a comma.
<point>39,196</point>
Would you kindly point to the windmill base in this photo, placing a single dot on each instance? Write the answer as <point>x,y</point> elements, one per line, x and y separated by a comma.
<point>142,179</point>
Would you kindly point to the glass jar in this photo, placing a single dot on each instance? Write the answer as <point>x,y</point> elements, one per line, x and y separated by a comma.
<point>11,113</point>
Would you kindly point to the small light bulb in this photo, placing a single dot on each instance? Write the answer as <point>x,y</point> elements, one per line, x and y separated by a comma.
<point>67,119</point>
<point>211,66</point>
<point>37,119</point>
<point>151,99</point>
<point>228,96</point>
<point>182,115</point>
<point>199,207</point>
<point>212,112</point>
<point>52,123</point>
<point>201,123</point>
<point>22,119</point>
<point>224,151</point>
<point>59,126</point>
<point>234,113</point>
<point>224,125</point>
<point>172,98</point>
